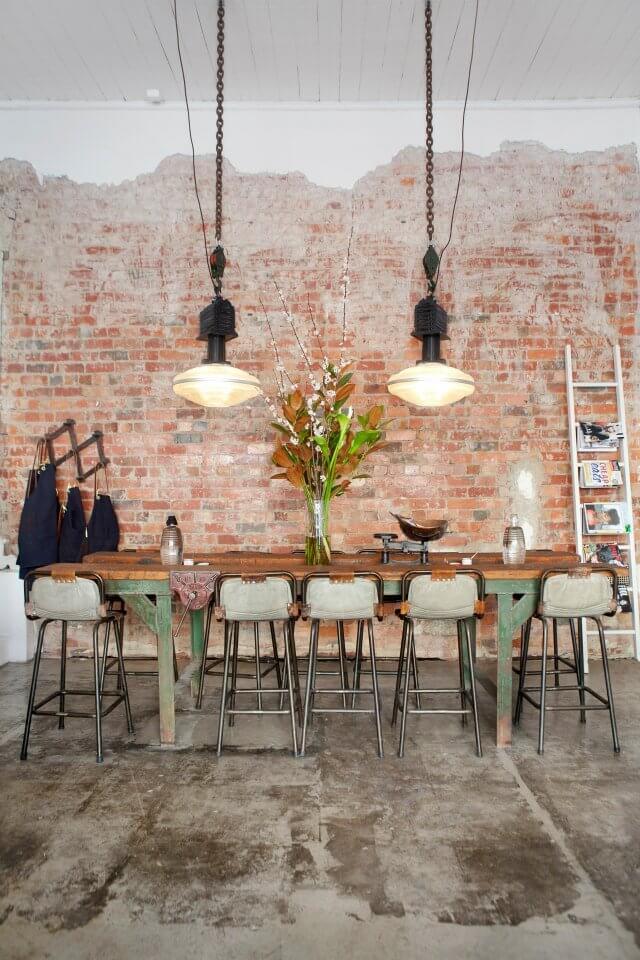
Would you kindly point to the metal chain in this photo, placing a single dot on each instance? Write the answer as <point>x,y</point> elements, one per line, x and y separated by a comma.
<point>429,119</point>
<point>219,119</point>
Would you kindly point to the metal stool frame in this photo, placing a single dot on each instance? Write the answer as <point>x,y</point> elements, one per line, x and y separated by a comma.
<point>209,664</point>
<point>604,703</point>
<point>407,661</point>
<point>287,680</point>
<point>562,665</point>
<point>344,691</point>
<point>120,695</point>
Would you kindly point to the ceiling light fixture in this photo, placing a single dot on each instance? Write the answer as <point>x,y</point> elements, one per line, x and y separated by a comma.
<point>215,383</point>
<point>431,382</point>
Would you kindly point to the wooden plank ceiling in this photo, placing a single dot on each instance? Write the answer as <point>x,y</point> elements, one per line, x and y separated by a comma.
<point>313,50</point>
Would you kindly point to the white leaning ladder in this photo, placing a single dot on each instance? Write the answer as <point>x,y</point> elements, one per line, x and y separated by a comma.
<point>630,546</point>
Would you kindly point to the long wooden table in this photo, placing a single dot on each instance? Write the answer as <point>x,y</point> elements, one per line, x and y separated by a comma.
<point>142,581</point>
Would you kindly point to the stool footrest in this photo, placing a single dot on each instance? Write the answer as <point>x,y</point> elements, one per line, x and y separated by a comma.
<point>423,710</point>
<point>256,712</point>
<point>569,687</point>
<point>341,710</point>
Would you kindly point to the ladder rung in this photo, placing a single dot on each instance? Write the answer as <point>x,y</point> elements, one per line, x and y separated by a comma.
<point>609,630</point>
<point>594,384</point>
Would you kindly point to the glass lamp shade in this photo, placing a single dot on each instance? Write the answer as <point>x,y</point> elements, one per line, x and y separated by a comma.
<point>216,385</point>
<point>431,385</point>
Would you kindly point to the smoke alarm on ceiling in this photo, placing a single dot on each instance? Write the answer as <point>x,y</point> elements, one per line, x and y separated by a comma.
<point>153,96</point>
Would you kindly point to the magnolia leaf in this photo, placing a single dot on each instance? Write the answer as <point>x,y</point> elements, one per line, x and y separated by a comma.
<point>279,476</point>
<point>289,413</point>
<point>344,393</point>
<point>376,446</point>
<point>322,445</point>
<point>295,400</point>
<point>278,426</point>
<point>362,437</point>
<point>375,414</point>
<point>343,422</point>
<point>280,457</point>
<point>344,380</point>
<point>294,476</point>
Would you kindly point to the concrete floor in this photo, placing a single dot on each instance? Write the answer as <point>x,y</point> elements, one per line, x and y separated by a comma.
<point>169,853</point>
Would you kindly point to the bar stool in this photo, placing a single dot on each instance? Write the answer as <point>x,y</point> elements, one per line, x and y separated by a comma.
<point>340,598</point>
<point>438,595</point>
<point>78,598</point>
<point>242,598</point>
<point>582,592</point>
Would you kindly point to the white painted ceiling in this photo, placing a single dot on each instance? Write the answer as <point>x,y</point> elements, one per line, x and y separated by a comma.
<point>285,50</point>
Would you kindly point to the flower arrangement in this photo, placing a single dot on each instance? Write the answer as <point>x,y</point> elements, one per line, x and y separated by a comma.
<point>321,443</point>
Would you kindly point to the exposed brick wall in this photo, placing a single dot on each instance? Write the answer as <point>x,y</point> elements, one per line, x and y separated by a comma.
<point>104,283</point>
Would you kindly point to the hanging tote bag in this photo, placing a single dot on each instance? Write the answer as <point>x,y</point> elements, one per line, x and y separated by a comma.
<point>73,528</point>
<point>103,532</point>
<point>38,529</point>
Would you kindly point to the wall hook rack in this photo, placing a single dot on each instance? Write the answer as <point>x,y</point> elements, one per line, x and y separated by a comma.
<point>69,427</point>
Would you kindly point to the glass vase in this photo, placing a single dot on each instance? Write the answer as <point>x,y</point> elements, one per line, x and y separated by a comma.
<point>317,546</point>
<point>513,543</point>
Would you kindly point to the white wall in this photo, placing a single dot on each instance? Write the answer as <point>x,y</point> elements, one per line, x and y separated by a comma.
<point>332,143</point>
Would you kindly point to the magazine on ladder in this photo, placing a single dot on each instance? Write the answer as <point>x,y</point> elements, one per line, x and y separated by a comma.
<point>608,512</point>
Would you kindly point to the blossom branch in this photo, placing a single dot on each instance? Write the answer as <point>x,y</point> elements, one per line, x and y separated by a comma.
<point>293,326</point>
<point>281,370</point>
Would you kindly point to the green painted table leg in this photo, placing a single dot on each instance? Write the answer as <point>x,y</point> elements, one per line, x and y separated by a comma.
<point>503,679</point>
<point>165,670</point>
<point>197,647</point>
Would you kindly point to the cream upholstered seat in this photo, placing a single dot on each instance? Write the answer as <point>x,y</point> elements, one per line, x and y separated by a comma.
<point>564,596</point>
<point>329,599</point>
<point>431,599</point>
<point>70,600</point>
<point>248,600</point>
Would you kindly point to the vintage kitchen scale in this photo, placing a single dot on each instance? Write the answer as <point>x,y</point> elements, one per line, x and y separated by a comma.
<point>417,543</point>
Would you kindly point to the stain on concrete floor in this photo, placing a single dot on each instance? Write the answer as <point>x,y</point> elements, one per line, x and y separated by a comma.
<point>337,853</point>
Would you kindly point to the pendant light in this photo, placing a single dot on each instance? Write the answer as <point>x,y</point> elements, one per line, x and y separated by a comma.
<point>215,383</point>
<point>432,382</point>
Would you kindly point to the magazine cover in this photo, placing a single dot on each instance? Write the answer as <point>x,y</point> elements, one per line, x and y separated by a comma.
<point>605,517</point>
<point>600,473</point>
<point>624,598</point>
<point>607,553</point>
<point>593,435</point>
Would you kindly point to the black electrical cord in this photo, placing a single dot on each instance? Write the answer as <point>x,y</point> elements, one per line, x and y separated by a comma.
<point>193,149</point>
<point>464,114</point>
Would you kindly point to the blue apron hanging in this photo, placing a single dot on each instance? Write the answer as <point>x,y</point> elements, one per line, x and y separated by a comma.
<point>102,530</point>
<point>73,529</point>
<point>38,530</point>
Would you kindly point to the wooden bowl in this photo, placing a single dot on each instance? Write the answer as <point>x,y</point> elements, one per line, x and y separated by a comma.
<point>429,530</point>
